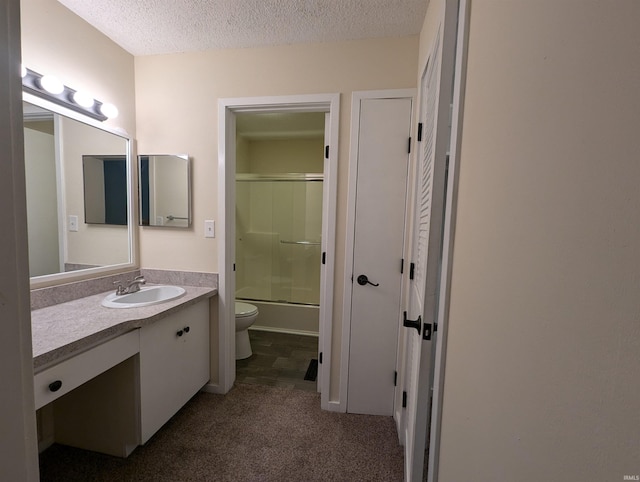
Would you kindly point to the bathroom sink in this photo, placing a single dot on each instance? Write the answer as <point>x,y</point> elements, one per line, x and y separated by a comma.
<point>148,295</point>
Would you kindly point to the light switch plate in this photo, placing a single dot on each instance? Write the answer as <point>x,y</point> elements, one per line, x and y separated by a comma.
<point>73,223</point>
<point>209,229</point>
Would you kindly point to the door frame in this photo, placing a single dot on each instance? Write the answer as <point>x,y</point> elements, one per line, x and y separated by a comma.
<point>356,98</point>
<point>19,458</point>
<point>448,238</point>
<point>227,108</point>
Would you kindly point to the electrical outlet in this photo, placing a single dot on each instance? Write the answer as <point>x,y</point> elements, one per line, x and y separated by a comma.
<point>209,229</point>
<point>73,223</point>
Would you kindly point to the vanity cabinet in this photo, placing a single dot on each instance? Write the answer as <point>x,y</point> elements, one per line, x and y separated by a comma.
<point>174,365</point>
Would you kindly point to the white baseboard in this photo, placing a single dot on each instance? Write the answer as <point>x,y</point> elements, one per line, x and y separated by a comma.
<point>213,388</point>
<point>336,407</point>
<point>45,444</point>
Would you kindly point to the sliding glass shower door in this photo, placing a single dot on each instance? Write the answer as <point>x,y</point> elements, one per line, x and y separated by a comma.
<point>278,230</point>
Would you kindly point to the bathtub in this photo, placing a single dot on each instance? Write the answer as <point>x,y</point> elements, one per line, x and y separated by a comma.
<point>285,317</point>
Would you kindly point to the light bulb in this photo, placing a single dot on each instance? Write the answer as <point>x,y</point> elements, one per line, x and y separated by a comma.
<point>83,99</point>
<point>51,84</point>
<point>109,110</point>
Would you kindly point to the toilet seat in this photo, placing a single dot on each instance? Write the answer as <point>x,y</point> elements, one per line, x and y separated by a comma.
<point>244,310</point>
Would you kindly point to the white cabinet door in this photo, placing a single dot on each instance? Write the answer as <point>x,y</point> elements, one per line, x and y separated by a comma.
<point>194,371</point>
<point>174,365</point>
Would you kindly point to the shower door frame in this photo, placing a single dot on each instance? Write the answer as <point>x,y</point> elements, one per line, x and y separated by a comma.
<point>227,109</point>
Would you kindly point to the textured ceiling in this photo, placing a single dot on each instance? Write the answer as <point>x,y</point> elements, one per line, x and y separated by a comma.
<point>146,27</point>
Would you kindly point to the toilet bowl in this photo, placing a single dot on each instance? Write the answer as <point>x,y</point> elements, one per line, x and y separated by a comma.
<point>246,314</point>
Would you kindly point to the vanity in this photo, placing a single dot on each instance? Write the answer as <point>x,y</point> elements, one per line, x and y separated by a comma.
<point>107,379</point>
<point>107,375</point>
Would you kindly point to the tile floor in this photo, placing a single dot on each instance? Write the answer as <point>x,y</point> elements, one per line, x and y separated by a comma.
<point>278,359</point>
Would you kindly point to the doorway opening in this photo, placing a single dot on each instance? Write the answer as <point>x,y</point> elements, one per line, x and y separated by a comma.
<point>259,259</point>
<point>279,181</point>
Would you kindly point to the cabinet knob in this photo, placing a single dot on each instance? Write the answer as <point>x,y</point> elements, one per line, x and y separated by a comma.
<point>55,386</point>
<point>179,333</point>
<point>186,329</point>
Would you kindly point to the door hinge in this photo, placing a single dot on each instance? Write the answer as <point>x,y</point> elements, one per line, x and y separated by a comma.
<point>419,131</point>
<point>402,266</point>
<point>417,324</point>
<point>412,270</point>
<point>320,357</point>
<point>404,399</point>
<point>234,266</point>
<point>409,146</point>
<point>395,378</point>
<point>324,257</point>
<point>326,152</point>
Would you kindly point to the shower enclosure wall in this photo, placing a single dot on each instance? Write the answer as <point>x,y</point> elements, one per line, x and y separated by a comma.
<point>278,248</point>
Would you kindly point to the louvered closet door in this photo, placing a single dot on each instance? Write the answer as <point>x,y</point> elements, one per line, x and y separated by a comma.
<point>426,245</point>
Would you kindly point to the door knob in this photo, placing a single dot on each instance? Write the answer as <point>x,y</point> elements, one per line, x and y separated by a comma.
<point>363,280</point>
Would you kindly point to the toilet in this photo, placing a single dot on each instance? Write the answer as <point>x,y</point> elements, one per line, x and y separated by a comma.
<point>246,314</point>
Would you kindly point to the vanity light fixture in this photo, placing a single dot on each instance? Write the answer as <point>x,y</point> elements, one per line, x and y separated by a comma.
<point>83,99</point>
<point>51,89</point>
<point>110,110</point>
<point>51,84</point>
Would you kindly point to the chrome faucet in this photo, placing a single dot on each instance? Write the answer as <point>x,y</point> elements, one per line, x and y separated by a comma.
<point>134,286</point>
<point>120,290</point>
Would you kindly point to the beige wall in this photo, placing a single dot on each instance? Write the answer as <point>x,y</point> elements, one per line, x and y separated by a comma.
<point>55,40</point>
<point>176,105</point>
<point>176,108</point>
<point>543,356</point>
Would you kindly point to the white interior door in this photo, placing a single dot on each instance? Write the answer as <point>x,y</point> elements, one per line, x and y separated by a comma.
<point>382,161</point>
<point>426,250</point>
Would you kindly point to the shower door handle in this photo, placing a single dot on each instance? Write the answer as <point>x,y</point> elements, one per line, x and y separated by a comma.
<point>363,280</point>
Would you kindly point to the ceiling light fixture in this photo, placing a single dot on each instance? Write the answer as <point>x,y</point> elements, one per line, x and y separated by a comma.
<point>51,89</point>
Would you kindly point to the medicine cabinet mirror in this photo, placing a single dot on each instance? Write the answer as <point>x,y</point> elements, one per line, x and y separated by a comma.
<point>164,190</point>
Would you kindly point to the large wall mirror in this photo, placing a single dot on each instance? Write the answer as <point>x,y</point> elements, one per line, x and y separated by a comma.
<point>164,190</point>
<point>66,232</point>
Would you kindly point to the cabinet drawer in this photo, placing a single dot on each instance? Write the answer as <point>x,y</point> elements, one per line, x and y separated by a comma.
<point>59,379</point>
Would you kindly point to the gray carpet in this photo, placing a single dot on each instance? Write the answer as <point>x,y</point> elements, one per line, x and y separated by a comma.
<point>254,433</point>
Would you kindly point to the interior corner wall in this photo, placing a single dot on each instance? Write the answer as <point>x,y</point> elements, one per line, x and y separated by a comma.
<point>57,41</point>
<point>176,106</point>
<point>541,379</point>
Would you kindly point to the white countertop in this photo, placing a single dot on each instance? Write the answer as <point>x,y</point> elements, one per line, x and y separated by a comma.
<point>63,330</point>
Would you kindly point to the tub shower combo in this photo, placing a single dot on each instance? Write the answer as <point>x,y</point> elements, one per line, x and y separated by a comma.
<point>278,249</point>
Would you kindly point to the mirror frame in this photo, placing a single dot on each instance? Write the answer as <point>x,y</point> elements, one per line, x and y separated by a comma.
<point>184,157</point>
<point>69,276</point>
